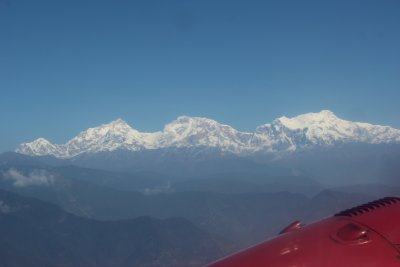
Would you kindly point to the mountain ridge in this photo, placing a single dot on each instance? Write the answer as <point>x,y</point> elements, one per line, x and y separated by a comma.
<point>283,135</point>
<point>38,233</point>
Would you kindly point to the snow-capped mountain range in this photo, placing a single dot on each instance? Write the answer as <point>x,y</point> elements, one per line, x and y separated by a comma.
<point>282,135</point>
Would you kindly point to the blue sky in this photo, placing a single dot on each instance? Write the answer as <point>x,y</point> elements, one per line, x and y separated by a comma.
<point>67,65</point>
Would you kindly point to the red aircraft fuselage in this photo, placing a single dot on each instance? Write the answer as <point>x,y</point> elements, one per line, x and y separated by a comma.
<point>364,236</point>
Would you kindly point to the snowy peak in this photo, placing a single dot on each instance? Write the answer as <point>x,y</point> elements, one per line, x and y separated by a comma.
<point>283,135</point>
<point>325,128</point>
<point>118,121</point>
<point>185,126</point>
<point>41,142</point>
<point>118,127</point>
<point>189,123</point>
<point>107,137</point>
<point>309,119</point>
<point>39,147</point>
<point>188,131</point>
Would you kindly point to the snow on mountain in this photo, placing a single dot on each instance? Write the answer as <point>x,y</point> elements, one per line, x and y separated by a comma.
<point>282,135</point>
<point>107,137</point>
<point>39,147</point>
<point>325,128</point>
<point>193,131</point>
<point>277,137</point>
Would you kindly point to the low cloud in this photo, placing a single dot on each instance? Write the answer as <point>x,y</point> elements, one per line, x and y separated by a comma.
<point>34,178</point>
<point>157,189</point>
<point>4,208</point>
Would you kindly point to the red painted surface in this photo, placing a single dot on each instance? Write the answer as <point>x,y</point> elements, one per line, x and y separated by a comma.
<point>365,236</point>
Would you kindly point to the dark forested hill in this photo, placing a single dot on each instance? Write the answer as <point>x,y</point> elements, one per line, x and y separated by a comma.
<point>35,233</point>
